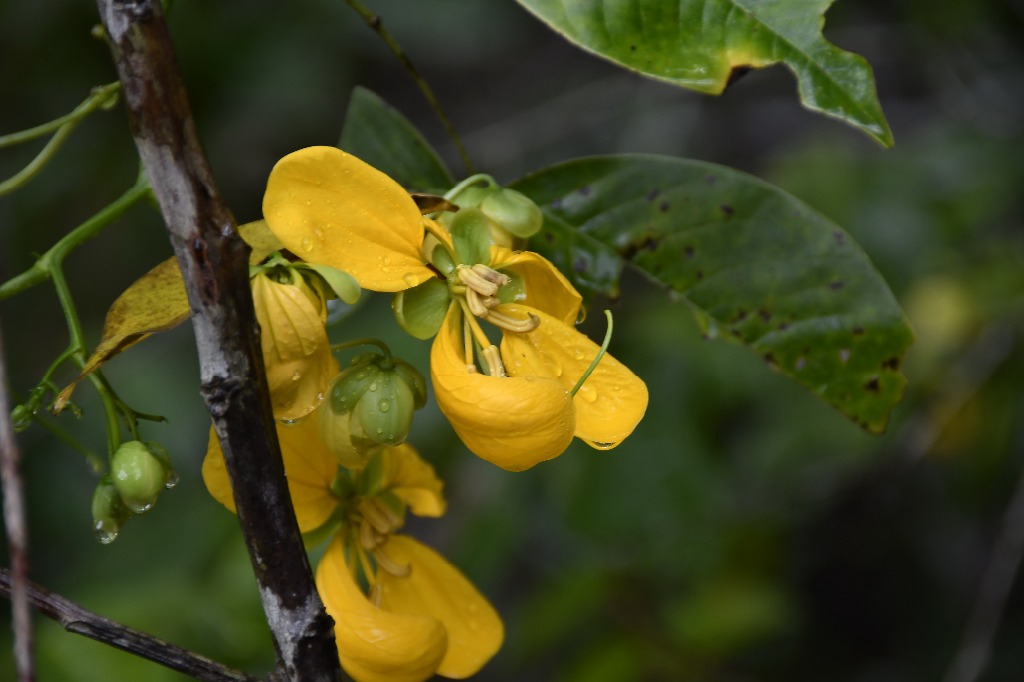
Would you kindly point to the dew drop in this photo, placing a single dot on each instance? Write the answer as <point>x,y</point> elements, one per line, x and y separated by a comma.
<point>296,375</point>
<point>587,393</point>
<point>409,279</point>
<point>289,422</point>
<point>372,387</point>
<point>103,534</point>
<point>578,354</point>
<point>307,244</point>
<point>318,232</point>
<point>380,429</point>
<point>384,405</point>
<point>172,480</point>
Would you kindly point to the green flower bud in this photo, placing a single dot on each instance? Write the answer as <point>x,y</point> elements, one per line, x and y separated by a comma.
<point>514,212</point>
<point>383,415</point>
<point>108,511</point>
<point>140,472</point>
<point>370,405</point>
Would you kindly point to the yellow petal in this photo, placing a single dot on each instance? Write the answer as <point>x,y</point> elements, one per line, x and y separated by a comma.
<point>610,403</point>
<point>296,350</point>
<point>414,481</point>
<point>154,303</point>
<point>329,207</point>
<point>514,422</point>
<point>437,589</point>
<point>375,645</point>
<point>310,469</point>
<point>545,287</point>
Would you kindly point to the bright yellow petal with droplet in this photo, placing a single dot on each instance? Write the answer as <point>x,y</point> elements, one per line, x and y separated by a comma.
<point>296,350</point>
<point>329,207</point>
<point>610,403</point>
<point>546,288</point>
<point>310,469</point>
<point>413,480</point>
<point>514,422</point>
<point>375,645</point>
<point>437,589</point>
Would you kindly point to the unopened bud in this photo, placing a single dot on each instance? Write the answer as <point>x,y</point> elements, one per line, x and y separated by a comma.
<point>108,511</point>
<point>140,471</point>
<point>514,212</point>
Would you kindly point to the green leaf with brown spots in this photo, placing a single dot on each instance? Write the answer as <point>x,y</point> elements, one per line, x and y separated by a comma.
<point>758,267</point>
<point>705,44</point>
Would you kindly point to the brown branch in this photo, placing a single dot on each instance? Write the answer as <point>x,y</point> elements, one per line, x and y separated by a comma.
<point>214,263</point>
<point>17,534</point>
<point>74,618</point>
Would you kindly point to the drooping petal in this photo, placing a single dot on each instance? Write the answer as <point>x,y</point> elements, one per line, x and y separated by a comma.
<point>538,284</point>
<point>611,401</point>
<point>296,350</point>
<point>434,588</point>
<point>376,645</point>
<point>514,422</point>
<point>329,207</point>
<point>309,467</point>
<point>413,480</point>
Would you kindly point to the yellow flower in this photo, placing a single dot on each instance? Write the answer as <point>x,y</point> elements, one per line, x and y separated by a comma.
<point>329,207</point>
<point>296,351</point>
<point>418,615</point>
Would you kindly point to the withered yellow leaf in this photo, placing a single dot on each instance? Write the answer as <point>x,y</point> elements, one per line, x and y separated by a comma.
<point>154,303</point>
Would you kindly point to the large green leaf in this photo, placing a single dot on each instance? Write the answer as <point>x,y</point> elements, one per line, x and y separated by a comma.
<point>758,267</point>
<point>704,44</point>
<point>383,138</point>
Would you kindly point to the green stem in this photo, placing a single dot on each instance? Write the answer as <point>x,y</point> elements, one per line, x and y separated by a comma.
<point>42,269</point>
<point>362,342</point>
<point>597,358</point>
<point>374,21</point>
<point>469,182</point>
<point>63,126</point>
<point>97,98</point>
<point>77,342</point>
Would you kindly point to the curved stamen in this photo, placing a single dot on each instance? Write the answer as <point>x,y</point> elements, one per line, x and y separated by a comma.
<point>512,324</point>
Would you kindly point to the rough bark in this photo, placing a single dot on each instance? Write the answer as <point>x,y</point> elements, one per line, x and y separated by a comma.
<point>214,262</point>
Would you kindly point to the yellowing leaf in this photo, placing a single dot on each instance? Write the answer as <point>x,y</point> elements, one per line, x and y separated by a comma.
<point>154,303</point>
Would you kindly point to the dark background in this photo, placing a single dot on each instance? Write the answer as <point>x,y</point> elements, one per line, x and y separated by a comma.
<point>745,531</point>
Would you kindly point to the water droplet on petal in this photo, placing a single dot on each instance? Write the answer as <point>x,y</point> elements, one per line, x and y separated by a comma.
<point>372,387</point>
<point>380,429</point>
<point>172,480</point>
<point>307,244</point>
<point>587,393</point>
<point>384,405</point>
<point>296,375</point>
<point>409,279</point>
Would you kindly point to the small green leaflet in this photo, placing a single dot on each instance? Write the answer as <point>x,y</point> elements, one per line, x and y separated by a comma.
<point>704,44</point>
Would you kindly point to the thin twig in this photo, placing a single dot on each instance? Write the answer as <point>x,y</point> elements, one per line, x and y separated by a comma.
<point>17,534</point>
<point>78,620</point>
<point>374,21</point>
<point>215,267</point>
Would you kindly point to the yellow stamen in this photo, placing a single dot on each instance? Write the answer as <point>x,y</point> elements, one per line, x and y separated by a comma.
<point>388,564</point>
<point>512,324</point>
<point>492,356</point>
<point>491,275</point>
<point>476,305</point>
<point>475,281</point>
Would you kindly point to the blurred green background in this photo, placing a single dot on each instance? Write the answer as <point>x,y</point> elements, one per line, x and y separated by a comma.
<point>745,531</point>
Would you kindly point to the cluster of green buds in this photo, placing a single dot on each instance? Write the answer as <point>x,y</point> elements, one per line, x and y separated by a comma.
<point>138,472</point>
<point>370,405</point>
<point>509,216</point>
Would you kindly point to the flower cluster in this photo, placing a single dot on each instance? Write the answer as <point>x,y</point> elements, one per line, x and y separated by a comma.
<point>524,407</point>
<point>401,611</point>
